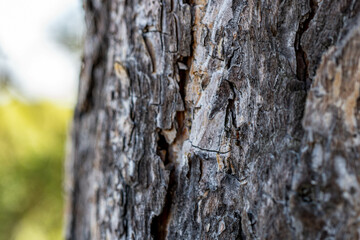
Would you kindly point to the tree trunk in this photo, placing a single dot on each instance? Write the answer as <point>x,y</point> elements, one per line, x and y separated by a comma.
<point>234,119</point>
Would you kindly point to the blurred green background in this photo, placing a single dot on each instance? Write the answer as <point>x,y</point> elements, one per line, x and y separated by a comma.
<point>32,147</point>
<point>40,49</point>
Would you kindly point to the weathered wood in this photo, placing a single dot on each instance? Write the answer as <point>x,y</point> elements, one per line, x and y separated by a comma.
<point>189,121</point>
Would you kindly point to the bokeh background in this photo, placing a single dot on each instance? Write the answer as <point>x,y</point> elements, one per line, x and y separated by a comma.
<point>40,53</point>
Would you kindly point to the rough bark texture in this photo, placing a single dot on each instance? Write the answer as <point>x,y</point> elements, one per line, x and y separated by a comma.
<point>189,121</point>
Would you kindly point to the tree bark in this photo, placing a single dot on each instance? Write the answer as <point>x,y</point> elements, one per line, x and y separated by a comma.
<point>234,119</point>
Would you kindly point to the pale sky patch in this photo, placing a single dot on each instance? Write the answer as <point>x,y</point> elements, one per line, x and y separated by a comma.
<point>42,69</point>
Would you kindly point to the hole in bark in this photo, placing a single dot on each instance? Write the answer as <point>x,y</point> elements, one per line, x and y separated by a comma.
<point>112,95</point>
<point>162,148</point>
<point>306,192</point>
<point>251,218</point>
<point>241,234</point>
<point>188,1</point>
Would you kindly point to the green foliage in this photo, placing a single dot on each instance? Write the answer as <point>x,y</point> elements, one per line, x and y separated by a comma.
<point>32,147</point>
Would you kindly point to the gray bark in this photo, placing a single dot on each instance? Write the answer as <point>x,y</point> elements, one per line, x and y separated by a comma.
<point>214,119</point>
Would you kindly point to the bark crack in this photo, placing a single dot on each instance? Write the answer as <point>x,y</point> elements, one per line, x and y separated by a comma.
<point>302,64</point>
<point>168,150</point>
<point>208,150</point>
<point>159,224</point>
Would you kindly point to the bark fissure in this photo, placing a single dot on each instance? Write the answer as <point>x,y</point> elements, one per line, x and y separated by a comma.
<point>302,64</point>
<point>163,149</point>
<point>160,223</point>
<point>168,148</point>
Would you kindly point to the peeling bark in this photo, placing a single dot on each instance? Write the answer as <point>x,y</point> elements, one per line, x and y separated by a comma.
<point>217,120</point>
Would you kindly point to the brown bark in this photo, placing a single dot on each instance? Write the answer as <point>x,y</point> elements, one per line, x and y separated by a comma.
<point>189,121</point>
